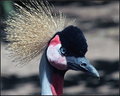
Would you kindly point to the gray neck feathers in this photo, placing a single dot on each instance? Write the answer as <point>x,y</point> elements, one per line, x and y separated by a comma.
<point>45,72</point>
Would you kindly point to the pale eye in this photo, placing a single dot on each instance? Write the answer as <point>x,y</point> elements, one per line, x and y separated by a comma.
<point>63,51</point>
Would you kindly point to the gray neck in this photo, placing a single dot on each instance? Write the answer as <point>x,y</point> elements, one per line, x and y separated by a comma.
<point>45,72</point>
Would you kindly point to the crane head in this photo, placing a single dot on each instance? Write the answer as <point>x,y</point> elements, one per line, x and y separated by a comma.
<point>67,49</point>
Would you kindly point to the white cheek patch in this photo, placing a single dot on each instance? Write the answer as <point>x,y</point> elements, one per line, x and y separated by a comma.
<point>55,58</point>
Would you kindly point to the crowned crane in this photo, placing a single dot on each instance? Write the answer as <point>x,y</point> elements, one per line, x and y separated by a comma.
<point>36,27</point>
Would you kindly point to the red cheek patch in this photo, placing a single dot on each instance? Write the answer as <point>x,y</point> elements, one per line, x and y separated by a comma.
<point>54,56</point>
<point>59,65</point>
<point>55,41</point>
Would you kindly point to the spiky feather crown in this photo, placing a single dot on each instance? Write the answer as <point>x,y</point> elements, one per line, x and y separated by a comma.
<point>30,28</point>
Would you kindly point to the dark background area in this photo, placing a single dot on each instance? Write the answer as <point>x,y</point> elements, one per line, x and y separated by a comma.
<point>99,21</point>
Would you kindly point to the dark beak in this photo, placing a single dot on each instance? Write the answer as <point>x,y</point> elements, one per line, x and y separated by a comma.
<point>82,64</point>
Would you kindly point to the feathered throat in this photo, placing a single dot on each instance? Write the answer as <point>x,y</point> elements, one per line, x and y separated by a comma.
<point>29,29</point>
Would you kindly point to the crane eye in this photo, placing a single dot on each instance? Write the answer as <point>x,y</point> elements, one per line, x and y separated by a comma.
<point>63,51</point>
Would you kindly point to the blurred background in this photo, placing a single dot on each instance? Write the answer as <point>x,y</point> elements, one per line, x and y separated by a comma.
<point>99,21</point>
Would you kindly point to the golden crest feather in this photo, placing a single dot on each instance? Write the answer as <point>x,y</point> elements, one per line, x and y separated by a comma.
<point>30,28</point>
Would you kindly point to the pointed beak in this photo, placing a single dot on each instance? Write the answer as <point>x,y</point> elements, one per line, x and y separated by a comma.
<point>82,64</point>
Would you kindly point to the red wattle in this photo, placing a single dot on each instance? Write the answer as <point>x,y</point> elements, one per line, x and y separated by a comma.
<point>57,84</point>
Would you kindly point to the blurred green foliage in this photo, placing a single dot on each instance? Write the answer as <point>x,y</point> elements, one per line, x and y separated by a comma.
<point>6,7</point>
